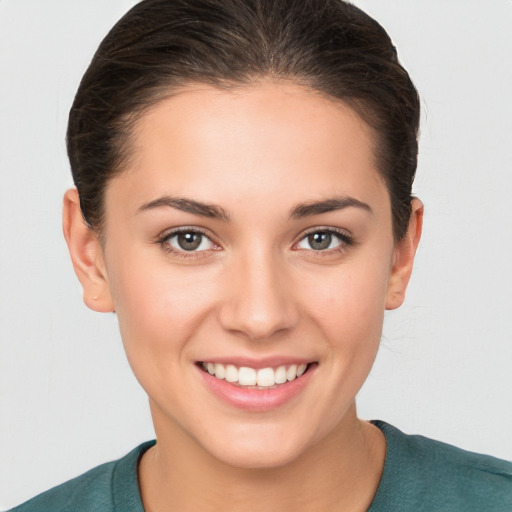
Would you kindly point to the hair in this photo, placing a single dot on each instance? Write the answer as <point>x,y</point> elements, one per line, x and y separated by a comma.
<point>159,46</point>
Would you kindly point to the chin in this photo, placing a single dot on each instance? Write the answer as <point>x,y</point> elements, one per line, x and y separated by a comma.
<point>246,458</point>
<point>264,448</point>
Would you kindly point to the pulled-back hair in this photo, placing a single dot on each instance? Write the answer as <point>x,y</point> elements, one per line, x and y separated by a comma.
<point>160,45</point>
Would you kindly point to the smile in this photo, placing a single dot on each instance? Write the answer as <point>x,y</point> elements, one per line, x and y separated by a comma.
<point>252,378</point>
<point>260,386</point>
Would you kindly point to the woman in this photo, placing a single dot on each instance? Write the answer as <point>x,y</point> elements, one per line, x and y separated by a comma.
<point>243,204</point>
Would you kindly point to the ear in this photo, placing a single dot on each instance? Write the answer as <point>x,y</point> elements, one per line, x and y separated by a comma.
<point>86,254</point>
<point>403,260</point>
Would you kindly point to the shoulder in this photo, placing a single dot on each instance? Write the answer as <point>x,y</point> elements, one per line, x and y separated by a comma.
<point>430,475</point>
<point>102,488</point>
<point>90,491</point>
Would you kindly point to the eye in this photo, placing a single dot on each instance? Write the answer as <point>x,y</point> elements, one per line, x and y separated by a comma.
<point>187,241</point>
<point>324,240</point>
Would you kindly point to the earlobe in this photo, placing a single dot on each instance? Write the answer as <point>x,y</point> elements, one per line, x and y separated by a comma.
<point>86,254</point>
<point>405,251</point>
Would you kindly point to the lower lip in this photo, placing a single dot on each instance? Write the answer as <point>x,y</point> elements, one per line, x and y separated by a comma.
<point>255,400</point>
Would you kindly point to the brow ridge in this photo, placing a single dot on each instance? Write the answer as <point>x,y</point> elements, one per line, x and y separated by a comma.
<point>328,205</point>
<point>212,211</point>
<point>187,205</point>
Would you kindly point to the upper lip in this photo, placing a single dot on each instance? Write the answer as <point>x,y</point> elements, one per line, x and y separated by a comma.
<point>265,362</point>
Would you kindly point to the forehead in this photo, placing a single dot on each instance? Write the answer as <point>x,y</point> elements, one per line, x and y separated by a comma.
<point>273,141</point>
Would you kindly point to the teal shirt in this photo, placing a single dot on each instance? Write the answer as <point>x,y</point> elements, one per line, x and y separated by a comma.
<point>420,475</point>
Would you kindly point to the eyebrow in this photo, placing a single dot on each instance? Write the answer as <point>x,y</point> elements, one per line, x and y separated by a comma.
<point>213,211</point>
<point>337,203</point>
<point>210,211</point>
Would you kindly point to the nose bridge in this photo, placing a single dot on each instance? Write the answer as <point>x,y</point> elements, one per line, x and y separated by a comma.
<point>259,303</point>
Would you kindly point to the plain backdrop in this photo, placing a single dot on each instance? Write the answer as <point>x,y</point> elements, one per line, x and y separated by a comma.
<point>68,400</point>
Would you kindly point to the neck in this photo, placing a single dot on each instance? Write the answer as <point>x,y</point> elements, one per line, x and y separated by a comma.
<point>341,472</point>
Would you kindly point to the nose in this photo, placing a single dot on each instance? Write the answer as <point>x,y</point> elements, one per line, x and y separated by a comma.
<point>259,302</point>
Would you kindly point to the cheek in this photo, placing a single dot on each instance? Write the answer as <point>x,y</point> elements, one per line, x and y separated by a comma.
<point>159,308</point>
<point>350,302</point>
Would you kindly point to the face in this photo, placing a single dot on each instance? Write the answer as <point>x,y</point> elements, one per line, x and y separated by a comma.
<point>249,255</point>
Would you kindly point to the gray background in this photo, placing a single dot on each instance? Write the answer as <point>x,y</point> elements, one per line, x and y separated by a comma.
<point>68,400</point>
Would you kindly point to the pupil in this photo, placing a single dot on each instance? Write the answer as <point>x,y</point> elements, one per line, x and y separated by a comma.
<point>189,241</point>
<point>320,241</point>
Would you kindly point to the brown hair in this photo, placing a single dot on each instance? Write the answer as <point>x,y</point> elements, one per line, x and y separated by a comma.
<point>159,45</point>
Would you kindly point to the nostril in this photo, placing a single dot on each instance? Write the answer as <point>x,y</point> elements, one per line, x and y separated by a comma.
<point>259,305</point>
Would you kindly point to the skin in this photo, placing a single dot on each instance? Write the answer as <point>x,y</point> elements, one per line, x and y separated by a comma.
<point>258,289</point>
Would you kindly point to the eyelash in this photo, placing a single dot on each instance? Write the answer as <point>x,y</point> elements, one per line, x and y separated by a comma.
<point>163,241</point>
<point>344,238</point>
<point>346,241</point>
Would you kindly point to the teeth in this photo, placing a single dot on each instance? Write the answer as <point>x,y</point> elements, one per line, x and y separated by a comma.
<point>258,379</point>
<point>265,377</point>
<point>291,373</point>
<point>246,376</point>
<point>220,371</point>
<point>281,375</point>
<point>231,373</point>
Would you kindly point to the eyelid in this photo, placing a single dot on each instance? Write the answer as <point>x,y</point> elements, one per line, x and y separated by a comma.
<point>167,234</point>
<point>343,235</point>
<point>346,239</point>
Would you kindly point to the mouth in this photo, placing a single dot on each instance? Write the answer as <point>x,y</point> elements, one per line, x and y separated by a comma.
<point>255,378</point>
